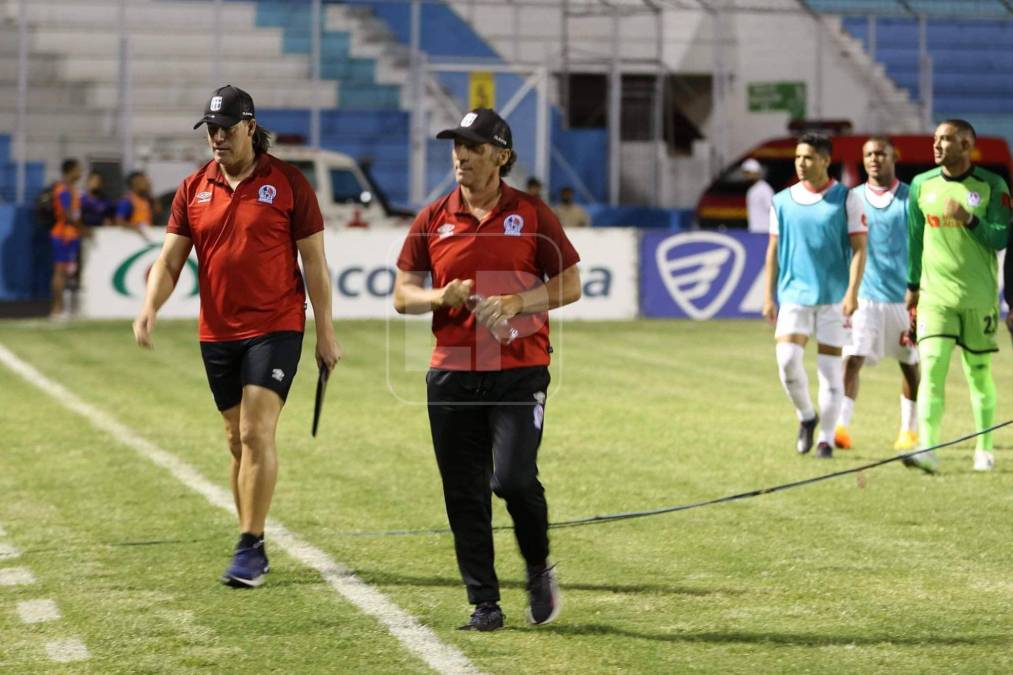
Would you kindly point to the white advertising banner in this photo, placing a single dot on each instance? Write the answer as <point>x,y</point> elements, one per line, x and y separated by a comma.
<point>116,267</point>
<point>363,267</point>
<point>608,271</point>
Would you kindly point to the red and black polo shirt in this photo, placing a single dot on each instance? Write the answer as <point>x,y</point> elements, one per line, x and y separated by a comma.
<point>245,241</point>
<point>517,246</point>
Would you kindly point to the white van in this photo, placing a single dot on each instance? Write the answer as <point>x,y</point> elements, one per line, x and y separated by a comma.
<point>346,194</point>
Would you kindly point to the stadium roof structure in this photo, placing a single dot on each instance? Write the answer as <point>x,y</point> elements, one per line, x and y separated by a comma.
<point>964,9</point>
<point>958,9</point>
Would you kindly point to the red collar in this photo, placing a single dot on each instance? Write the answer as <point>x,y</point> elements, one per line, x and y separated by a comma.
<point>262,167</point>
<point>507,200</point>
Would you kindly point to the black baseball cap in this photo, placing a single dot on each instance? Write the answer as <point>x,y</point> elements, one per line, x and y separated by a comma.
<point>482,125</point>
<point>227,106</point>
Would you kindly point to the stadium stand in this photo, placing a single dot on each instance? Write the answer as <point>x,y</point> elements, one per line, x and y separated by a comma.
<point>970,43</point>
<point>74,80</point>
<point>586,149</point>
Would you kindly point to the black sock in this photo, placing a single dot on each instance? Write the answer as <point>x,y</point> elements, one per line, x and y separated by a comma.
<point>250,540</point>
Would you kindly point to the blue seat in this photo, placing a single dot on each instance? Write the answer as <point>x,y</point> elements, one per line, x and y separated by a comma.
<point>981,8</point>
<point>857,6</point>
<point>972,58</point>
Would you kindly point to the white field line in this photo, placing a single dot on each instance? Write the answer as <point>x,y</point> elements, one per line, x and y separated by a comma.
<point>16,576</point>
<point>415,637</point>
<point>67,650</point>
<point>38,611</point>
<point>9,551</point>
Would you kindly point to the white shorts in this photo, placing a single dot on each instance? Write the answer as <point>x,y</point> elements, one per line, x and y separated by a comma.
<point>876,330</point>
<point>827,320</point>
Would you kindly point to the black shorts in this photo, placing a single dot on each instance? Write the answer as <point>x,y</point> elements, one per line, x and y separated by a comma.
<point>268,361</point>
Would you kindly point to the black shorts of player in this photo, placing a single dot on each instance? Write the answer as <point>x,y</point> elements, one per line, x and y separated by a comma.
<point>268,361</point>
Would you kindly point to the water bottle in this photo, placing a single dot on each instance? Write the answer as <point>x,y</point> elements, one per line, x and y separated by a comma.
<point>501,330</point>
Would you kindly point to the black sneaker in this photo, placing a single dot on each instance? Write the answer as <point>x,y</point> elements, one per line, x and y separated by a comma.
<point>806,429</point>
<point>824,451</point>
<point>249,565</point>
<point>543,595</point>
<point>487,616</point>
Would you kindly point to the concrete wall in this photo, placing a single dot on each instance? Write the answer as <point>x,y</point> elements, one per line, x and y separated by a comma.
<point>842,82</point>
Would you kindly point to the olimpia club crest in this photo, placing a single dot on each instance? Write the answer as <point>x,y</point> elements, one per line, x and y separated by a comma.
<point>131,275</point>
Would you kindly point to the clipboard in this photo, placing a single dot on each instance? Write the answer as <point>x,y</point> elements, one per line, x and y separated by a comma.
<point>318,404</point>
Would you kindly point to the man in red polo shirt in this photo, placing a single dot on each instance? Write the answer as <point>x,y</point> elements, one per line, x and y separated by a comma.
<point>247,214</point>
<point>504,254</point>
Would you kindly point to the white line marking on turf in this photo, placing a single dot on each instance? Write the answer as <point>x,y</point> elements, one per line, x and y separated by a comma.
<point>38,611</point>
<point>417,638</point>
<point>67,650</point>
<point>16,576</point>
<point>9,551</point>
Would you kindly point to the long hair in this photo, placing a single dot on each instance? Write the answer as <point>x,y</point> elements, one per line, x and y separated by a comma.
<point>261,139</point>
<point>504,170</point>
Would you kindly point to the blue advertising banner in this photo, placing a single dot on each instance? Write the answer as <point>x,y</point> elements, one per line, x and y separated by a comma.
<point>702,274</point>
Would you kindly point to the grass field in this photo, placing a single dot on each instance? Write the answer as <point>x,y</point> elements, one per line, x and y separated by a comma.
<point>891,572</point>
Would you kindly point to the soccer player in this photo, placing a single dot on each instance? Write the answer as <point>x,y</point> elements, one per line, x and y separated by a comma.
<point>813,269</point>
<point>958,217</point>
<point>1007,275</point>
<point>248,215</point>
<point>881,323</point>
<point>487,398</point>
<point>65,235</point>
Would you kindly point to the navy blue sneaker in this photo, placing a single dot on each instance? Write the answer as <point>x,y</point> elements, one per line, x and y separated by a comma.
<point>544,599</point>
<point>486,617</point>
<point>249,564</point>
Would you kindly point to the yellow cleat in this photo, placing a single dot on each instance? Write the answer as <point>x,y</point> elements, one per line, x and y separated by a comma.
<point>842,439</point>
<point>906,440</point>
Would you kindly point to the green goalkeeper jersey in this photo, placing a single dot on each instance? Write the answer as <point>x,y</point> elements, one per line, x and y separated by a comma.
<point>953,263</point>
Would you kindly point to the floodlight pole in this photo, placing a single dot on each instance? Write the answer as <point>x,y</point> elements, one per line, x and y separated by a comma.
<point>615,112</point>
<point>543,133</point>
<point>719,90</point>
<point>818,61</point>
<point>658,124</point>
<point>21,118</point>
<point>925,92</point>
<point>564,67</point>
<point>126,103</point>
<point>316,19</point>
<point>418,117</point>
<point>216,46</point>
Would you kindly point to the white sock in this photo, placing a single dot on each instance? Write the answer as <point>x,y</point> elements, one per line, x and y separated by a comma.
<point>908,414</point>
<point>847,410</point>
<point>794,378</point>
<point>831,378</point>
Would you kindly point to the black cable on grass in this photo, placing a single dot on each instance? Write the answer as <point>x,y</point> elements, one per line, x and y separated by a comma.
<point>629,515</point>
